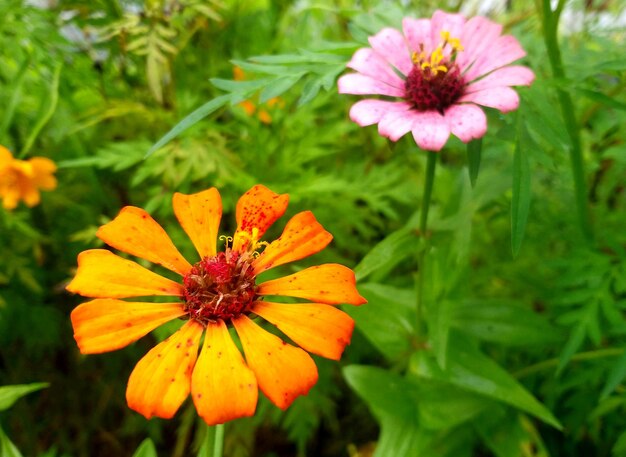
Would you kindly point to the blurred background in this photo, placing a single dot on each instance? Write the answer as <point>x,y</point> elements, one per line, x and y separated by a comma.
<point>525,353</point>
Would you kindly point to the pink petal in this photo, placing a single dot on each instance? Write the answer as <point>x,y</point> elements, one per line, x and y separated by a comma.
<point>507,76</point>
<point>368,63</point>
<point>467,122</point>
<point>478,34</point>
<point>431,131</point>
<point>358,84</point>
<point>505,49</point>
<point>394,125</point>
<point>504,99</point>
<point>417,34</point>
<point>443,21</point>
<point>390,45</point>
<point>368,112</point>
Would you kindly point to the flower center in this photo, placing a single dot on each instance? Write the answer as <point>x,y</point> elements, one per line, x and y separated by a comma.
<point>220,287</point>
<point>435,82</point>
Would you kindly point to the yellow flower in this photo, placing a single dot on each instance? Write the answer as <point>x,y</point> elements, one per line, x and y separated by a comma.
<point>22,179</point>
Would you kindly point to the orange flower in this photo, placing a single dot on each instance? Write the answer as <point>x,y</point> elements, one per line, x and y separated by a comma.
<point>218,292</point>
<point>22,179</point>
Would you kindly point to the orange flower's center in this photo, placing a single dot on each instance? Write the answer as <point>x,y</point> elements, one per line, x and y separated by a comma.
<point>435,82</point>
<point>219,287</point>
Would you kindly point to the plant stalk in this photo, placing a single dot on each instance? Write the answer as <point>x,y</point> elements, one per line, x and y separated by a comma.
<point>550,27</point>
<point>424,240</point>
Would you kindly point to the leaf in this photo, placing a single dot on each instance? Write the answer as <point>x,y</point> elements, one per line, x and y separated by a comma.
<point>469,369</point>
<point>309,91</point>
<point>146,449</point>
<point>474,152</point>
<point>189,121</point>
<point>392,400</point>
<point>15,89</point>
<point>602,98</point>
<point>278,87</point>
<point>10,394</point>
<point>587,317</point>
<point>503,322</point>
<point>619,448</point>
<point>387,320</point>
<point>7,448</point>
<point>616,376</point>
<point>520,204</point>
<point>389,252</point>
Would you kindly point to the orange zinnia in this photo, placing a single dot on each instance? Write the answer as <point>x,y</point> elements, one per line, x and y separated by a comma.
<point>214,293</point>
<point>22,179</point>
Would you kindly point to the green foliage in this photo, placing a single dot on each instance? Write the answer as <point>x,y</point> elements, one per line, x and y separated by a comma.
<point>522,343</point>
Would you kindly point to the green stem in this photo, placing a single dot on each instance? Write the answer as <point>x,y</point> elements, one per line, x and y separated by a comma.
<point>550,27</point>
<point>589,355</point>
<point>218,444</point>
<point>424,238</point>
<point>54,99</point>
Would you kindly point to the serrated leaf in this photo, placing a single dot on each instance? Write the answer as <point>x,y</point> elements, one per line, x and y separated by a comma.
<point>577,336</point>
<point>189,121</point>
<point>10,394</point>
<point>616,376</point>
<point>309,91</point>
<point>146,449</point>
<point>520,205</point>
<point>471,370</point>
<point>474,153</point>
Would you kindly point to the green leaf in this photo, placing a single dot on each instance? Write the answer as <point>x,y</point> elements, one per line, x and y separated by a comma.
<point>604,99</point>
<point>10,394</point>
<point>309,91</point>
<point>389,252</point>
<point>444,406</point>
<point>7,448</point>
<point>474,152</point>
<point>146,449</point>
<point>387,320</point>
<point>392,400</point>
<point>616,376</point>
<point>503,322</point>
<point>15,90</point>
<point>520,205</point>
<point>469,369</point>
<point>278,87</point>
<point>189,121</point>
<point>619,448</point>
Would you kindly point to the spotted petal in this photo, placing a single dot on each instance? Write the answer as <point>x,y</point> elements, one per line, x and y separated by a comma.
<point>133,231</point>
<point>162,379</point>
<point>330,283</point>
<point>102,274</point>
<point>223,388</point>
<point>104,325</point>
<point>199,215</point>
<point>321,329</point>
<point>284,372</point>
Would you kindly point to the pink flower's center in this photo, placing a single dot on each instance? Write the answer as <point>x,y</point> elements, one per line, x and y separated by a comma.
<point>435,82</point>
<point>220,287</point>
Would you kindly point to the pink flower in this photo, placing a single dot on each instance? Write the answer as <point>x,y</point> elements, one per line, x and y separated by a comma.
<point>435,73</point>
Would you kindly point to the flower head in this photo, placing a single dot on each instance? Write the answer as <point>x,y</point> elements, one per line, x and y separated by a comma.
<point>22,179</point>
<point>218,292</point>
<point>436,72</point>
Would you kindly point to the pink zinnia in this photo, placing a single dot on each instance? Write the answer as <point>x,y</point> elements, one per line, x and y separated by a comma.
<point>440,69</point>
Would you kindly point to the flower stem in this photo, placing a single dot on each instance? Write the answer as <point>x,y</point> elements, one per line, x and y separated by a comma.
<point>424,239</point>
<point>550,27</point>
<point>218,443</point>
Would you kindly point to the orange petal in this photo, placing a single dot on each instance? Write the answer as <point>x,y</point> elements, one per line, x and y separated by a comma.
<point>162,379</point>
<point>5,156</point>
<point>283,371</point>
<point>106,325</point>
<point>330,283</point>
<point>257,210</point>
<point>43,168</point>
<point>135,232</point>
<point>102,274</point>
<point>199,215</point>
<point>223,388</point>
<point>303,236</point>
<point>321,329</point>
